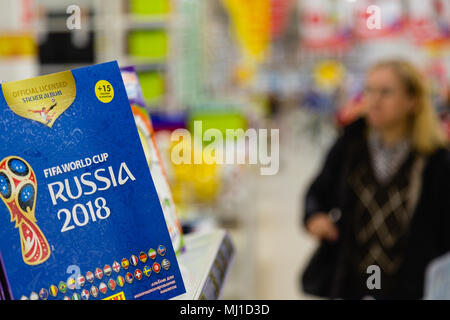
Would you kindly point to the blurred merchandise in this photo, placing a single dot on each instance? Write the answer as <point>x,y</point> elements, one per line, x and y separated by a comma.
<point>18,40</point>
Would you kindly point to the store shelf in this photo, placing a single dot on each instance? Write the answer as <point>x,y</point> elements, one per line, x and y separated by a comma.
<point>205,264</point>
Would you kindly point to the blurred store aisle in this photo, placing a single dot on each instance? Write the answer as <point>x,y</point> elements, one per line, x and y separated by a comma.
<point>283,246</point>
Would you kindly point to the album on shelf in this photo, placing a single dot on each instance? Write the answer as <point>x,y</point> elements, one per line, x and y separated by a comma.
<point>80,217</point>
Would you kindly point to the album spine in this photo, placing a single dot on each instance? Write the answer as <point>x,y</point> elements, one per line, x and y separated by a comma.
<point>2,295</point>
<point>5,290</point>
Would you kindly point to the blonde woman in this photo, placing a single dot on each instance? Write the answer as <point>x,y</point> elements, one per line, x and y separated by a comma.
<point>382,199</point>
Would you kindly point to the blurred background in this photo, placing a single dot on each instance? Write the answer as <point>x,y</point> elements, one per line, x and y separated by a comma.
<point>293,65</point>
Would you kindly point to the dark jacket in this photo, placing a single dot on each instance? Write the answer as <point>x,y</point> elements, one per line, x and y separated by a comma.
<point>328,272</point>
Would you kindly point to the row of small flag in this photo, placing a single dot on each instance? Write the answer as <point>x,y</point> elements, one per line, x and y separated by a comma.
<point>107,270</point>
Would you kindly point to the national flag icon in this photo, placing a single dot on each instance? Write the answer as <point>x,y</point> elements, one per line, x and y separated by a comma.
<point>66,298</point>
<point>34,296</point>
<point>125,264</point>
<point>76,296</point>
<point>156,267</point>
<point>134,260</point>
<point>81,280</point>
<point>138,274</point>
<point>102,287</point>
<point>111,285</point>
<point>129,277</point>
<point>152,253</point>
<point>143,257</point>
<point>120,281</point>
<point>107,269</point>
<point>116,267</point>
<point>71,283</point>
<point>85,294</point>
<point>165,264</point>
<point>62,287</point>
<point>99,273</point>
<point>94,291</point>
<point>43,294</point>
<point>147,271</point>
<point>53,290</point>
<point>161,250</point>
<point>90,276</point>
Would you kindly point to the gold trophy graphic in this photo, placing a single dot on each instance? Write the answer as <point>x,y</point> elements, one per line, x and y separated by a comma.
<point>18,190</point>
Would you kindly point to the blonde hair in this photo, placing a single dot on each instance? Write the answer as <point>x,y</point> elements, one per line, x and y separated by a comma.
<point>426,132</point>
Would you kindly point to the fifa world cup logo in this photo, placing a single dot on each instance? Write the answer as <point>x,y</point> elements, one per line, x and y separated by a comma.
<point>18,189</point>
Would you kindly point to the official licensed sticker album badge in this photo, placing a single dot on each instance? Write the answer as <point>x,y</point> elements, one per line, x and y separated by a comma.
<point>156,267</point>
<point>81,280</point>
<point>161,250</point>
<point>165,264</point>
<point>62,287</point>
<point>99,273</point>
<point>43,294</point>
<point>111,285</point>
<point>120,281</point>
<point>102,287</point>
<point>53,290</point>
<point>90,276</point>
<point>143,257</point>
<point>18,190</point>
<point>129,277</point>
<point>71,283</point>
<point>94,291</point>
<point>134,260</point>
<point>85,294</point>
<point>116,267</point>
<point>138,274</point>
<point>147,271</point>
<point>152,253</point>
<point>107,270</point>
<point>125,264</point>
<point>52,102</point>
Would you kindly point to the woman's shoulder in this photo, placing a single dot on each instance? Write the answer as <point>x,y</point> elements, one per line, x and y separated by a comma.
<point>442,155</point>
<point>354,129</point>
<point>349,138</point>
<point>440,160</point>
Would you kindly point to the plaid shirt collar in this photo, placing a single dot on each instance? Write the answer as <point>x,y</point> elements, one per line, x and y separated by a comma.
<point>386,160</point>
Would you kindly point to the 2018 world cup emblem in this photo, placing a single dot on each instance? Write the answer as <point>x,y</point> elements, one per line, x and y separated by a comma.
<point>18,189</point>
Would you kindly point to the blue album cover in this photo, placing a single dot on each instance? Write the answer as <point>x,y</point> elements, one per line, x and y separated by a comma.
<point>74,222</point>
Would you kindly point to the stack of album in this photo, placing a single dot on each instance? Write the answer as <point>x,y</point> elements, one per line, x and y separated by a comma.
<point>148,140</point>
<point>80,216</point>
